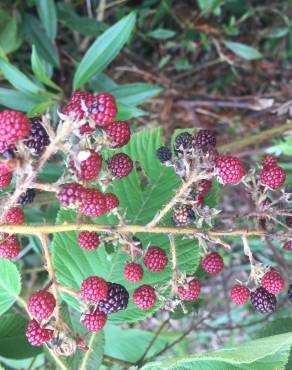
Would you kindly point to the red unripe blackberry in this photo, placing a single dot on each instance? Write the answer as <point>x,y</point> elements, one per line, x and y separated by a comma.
<point>204,187</point>
<point>90,167</point>
<point>119,133</point>
<point>273,177</point>
<point>37,335</point>
<point>75,107</point>
<point>205,138</point>
<point>88,240</point>
<point>70,195</point>
<point>102,109</point>
<point>41,304</point>
<point>183,215</point>
<point>288,245</point>
<point>9,247</point>
<point>5,176</point>
<point>94,289</point>
<point>94,321</point>
<point>273,282</point>
<point>239,294</point>
<point>155,259</point>
<point>112,201</point>
<point>27,197</point>
<point>289,221</point>
<point>263,301</point>
<point>212,263</point>
<point>14,126</point>
<point>78,95</point>
<point>39,138</point>
<point>200,202</point>
<point>120,165</point>
<point>144,297</point>
<point>133,272</point>
<point>269,161</point>
<point>230,169</point>
<point>117,299</point>
<point>86,129</point>
<point>14,216</point>
<point>92,203</point>
<point>191,292</point>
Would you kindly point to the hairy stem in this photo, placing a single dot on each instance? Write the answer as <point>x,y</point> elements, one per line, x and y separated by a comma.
<point>134,229</point>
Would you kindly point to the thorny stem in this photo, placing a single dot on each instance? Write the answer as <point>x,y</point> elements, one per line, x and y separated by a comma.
<point>49,267</point>
<point>194,177</point>
<point>174,266</point>
<point>134,229</point>
<point>255,139</point>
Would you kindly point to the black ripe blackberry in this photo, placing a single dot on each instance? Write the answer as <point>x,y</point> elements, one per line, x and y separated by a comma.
<point>263,301</point>
<point>117,299</point>
<point>183,215</point>
<point>183,141</point>
<point>27,197</point>
<point>289,221</point>
<point>205,138</point>
<point>163,154</point>
<point>39,138</point>
<point>290,293</point>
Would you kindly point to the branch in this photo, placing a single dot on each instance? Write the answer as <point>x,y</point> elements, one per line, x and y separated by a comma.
<point>234,145</point>
<point>179,194</point>
<point>49,267</point>
<point>133,229</point>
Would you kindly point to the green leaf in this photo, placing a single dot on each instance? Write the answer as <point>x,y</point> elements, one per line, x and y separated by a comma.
<point>135,93</point>
<point>18,100</point>
<point>126,112</point>
<point>12,336</point>
<point>262,354</point>
<point>10,285</point>
<point>278,326</point>
<point>36,35</point>
<point>243,51</point>
<point>104,50</point>
<point>10,37</point>
<point>84,25</point>
<point>102,82</point>
<point>39,70</point>
<point>40,108</point>
<point>18,79</point>
<point>129,345</point>
<point>278,33</point>
<point>48,16</point>
<point>209,6</point>
<point>161,34</point>
<point>141,194</point>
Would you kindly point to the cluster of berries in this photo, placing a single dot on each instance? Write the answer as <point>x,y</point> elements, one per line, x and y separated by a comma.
<point>103,298</point>
<point>17,129</point>
<point>9,244</point>
<point>197,152</point>
<point>95,114</point>
<point>263,298</point>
